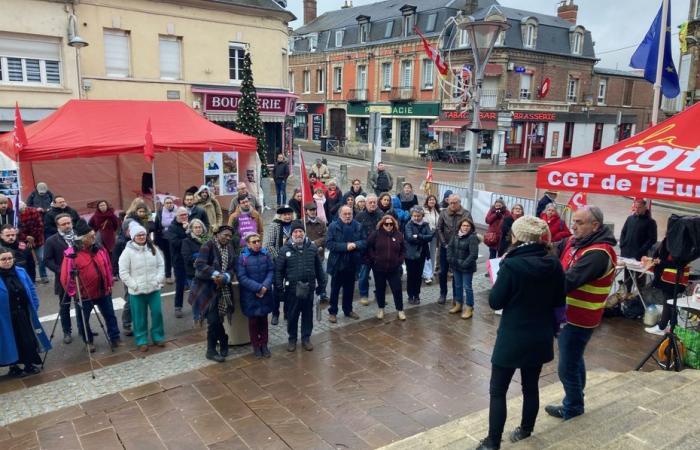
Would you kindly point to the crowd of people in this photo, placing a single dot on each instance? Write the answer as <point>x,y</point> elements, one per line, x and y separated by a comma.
<point>553,281</point>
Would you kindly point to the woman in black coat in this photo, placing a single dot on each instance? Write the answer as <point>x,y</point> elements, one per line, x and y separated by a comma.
<point>189,250</point>
<point>417,235</point>
<point>176,233</point>
<point>529,287</point>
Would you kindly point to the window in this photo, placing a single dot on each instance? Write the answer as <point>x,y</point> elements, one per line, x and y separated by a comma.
<point>307,82</point>
<point>389,29</point>
<point>427,74</point>
<point>387,137</point>
<point>386,76</point>
<point>339,38</point>
<point>313,42</point>
<point>530,36</point>
<point>577,43</point>
<point>116,53</point>
<point>337,79</point>
<point>320,81</point>
<point>525,86</point>
<point>627,93</point>
<point>361,77</point>
<point>432,18</point>
<point>364,33</point>
<point>463,38</point>
<point>602,90</point>
<point>501,41</point>
<point>291,81</point>
<point>407,25</point>
<point>236,53</point>
<point>170,52</point>
<point>572,90</point>
<point>406,73</point>
<point>30,61</point>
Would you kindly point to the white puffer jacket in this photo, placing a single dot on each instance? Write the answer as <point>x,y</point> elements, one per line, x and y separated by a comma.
<point>140,270</point>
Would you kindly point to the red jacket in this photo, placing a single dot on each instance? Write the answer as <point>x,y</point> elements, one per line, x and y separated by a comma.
<point>94,273</point>
<point>495,221</point>
<point>557,227</point>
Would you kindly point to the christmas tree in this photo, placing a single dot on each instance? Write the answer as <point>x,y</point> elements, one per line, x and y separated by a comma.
<point>248,114</point>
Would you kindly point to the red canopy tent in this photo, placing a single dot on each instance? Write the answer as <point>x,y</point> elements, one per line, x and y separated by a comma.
<point>662,162</point>
<point>93,149</point>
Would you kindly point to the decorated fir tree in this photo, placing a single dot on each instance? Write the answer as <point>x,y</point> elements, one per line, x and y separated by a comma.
<point>248,114</point>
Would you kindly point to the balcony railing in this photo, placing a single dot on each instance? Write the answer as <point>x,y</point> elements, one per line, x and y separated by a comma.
<point>357,95</point>
<point>402,94</point>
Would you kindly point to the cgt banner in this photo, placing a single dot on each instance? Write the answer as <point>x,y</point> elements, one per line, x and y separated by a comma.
<point>662,162</point>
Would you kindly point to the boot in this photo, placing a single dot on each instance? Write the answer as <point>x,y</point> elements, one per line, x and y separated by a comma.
<point>212,354</point>
<point>467,312</point>
<point>223,346</point>
<point>488,444</point>
<point>456,308</point>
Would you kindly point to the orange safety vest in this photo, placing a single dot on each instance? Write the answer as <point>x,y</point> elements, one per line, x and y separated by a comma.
<point>585,304</point>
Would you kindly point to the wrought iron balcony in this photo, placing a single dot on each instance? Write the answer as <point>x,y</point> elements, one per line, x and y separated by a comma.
<point>402,94</point>
<point>357,95</point>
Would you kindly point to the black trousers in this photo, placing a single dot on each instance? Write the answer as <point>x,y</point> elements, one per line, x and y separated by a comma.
<point>216,334</point>
<point>414,276</point>
<point>500,380</point>
<point>295,307</point>
<point>394,279</point>
<point>345,280</point>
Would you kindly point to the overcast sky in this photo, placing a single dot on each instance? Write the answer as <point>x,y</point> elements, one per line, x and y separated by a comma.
<point>614,24</point>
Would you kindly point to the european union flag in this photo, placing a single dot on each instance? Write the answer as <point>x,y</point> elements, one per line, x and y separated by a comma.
<point>647,54</point>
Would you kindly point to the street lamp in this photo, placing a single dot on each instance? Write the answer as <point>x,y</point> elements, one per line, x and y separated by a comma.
<point>77,43</point>
<point>483,35</point>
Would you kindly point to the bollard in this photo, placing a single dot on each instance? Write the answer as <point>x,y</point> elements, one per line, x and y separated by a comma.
<point>343,177</point>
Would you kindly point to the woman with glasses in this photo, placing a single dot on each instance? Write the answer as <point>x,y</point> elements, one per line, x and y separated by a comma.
<point>462,253</point>
<point>21,336</point>
<point>386,251</point>
<point>255,271</point>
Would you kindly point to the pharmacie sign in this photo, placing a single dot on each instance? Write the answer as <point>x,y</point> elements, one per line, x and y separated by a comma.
<point>229,103</point>
<point>398,109</point>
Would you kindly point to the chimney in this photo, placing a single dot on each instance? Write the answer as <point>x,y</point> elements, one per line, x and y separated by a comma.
<point>568,11</point>
<point>348,4</point>
<point>470,6</point>
<point>309,11</point>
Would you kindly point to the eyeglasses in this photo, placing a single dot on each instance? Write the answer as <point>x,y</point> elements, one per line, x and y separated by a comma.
<point>10,258</point>
<point>388,224</point>
<point>257,241</point>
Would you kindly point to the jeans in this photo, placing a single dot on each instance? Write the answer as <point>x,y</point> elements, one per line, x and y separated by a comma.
<point>39,251</point>
<point>140,304</point>
<point>572,367</point>
<point>363,280</point>
<point>444,269</point>
<point>281,187</point>
<point>345,280</point>
<point>104,304</point>
<point>462,284</point>
<point>414,276</point>
<point>257,329</point>
<point>180,284</point>
<point>381,278</point>
<point>296,307</point>
<point>500,380</point>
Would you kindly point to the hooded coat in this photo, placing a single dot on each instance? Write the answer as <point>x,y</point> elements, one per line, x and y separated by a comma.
<point>140,270</point>
<point>530,285</point>
<point>255,270</point>
<point>557,227</point>
<point>211,207</point>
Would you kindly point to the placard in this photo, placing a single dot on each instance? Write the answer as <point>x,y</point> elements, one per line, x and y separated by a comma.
<point>316,126</point>
<point>221,172</point>
<point>9,184</point>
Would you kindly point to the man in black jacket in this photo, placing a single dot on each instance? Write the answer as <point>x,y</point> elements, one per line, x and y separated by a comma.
<point>298,272</point>
<point>369,218</point>
<point>280,173</point>
<point>638,237</point>
<point>59,206</point>
<point>53,258</point>
<point>194,211</point>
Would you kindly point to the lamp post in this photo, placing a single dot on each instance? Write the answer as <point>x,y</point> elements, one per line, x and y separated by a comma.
<point>483,35</point>
<point>77,43</point>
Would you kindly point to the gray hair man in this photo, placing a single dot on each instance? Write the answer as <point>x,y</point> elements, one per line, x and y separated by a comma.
<point>447,227</point>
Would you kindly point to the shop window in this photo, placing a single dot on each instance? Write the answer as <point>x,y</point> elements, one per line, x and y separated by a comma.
<point>236,54</point>
<point>424,134</point>
<point>404,133</point>
<point>116,46</point>
<point>362,129</point>
<point>568,138</point>
<point>300,126</point>
<point>387,136</point>
<point>598,137</point>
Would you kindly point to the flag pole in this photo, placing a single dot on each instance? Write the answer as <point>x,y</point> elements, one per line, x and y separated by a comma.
<point>660,63</point>
<point>155,192</point>
<point>301,186</point>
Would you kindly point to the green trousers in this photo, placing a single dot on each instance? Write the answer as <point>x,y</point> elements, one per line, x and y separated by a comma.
<point>140,304</point>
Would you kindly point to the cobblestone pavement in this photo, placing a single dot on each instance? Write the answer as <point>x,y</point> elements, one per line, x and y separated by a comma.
<point>72,390</point>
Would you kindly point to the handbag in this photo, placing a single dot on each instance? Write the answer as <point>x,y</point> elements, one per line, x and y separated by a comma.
<point>491,238</point>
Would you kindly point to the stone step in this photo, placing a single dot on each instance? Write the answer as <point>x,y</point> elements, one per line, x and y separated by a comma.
<point>615,404</point>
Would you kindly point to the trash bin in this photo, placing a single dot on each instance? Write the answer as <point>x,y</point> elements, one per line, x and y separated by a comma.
<point>324,143</point>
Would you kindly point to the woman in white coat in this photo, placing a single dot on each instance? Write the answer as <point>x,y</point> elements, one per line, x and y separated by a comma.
<point>142,270</point>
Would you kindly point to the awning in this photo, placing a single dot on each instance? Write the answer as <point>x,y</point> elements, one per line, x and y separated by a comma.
<point>493,70</point>
<point>449,125</point>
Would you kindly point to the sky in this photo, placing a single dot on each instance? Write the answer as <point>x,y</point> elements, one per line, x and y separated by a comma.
<point>617,26</point>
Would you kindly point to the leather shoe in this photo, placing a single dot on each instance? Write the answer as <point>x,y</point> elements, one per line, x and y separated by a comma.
<point>488,444</point>
<point>291,346</point>
<point>555,411</point>
<point>332,318</point>
<point>519,434</point>
<point>353,315</point>
<point>307,345</point>
<point>275,319</point>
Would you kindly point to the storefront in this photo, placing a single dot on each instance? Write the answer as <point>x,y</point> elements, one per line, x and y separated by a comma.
<point>277,112</point>
<point>405,126</point>
<point>309,121</point>
<point>452,131</point>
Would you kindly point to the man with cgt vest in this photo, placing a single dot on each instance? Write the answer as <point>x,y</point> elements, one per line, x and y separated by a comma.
<point>589,260</point>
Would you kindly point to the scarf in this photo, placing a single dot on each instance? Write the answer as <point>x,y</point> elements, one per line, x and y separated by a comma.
<point>69,237</point>
<point>332,194</point>
<point>419,223</point>
<point>460,233</point>
<point>226,297</point>
<point>404,197</point>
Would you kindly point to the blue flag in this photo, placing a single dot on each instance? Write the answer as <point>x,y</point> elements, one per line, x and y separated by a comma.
<point>646,57</point>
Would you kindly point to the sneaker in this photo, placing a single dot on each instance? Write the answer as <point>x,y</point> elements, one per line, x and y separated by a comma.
<point>16,372</point>
<point>307,345</point>
<point>364,301</point>
<point>291,346</point>
<point>416,300</point>
<point>115,344</point>
<point>352,315</point>
<point>441,300</point>
<point>410,300</point>
<point>519,434</point>
<point>555,411</point>
<point>467,312</point>
<point>456,308</point>
<point>380,313</point>
<point>67,338</point>
<point>655,330</point>
<point>428,280</point>
<point>402,315</point>
<point>178,313</point>
<point>127,329</point>
<point>332,318</point>
<point>275,319</point>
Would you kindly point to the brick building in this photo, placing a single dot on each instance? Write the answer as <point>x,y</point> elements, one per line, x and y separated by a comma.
<point>349,61</point>
<point>689,69</point>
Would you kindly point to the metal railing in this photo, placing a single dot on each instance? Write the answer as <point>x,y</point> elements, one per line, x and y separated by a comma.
<point>357,95</point>
<point>402,93</point>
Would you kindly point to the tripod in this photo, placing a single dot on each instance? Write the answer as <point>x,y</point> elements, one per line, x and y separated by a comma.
<point>672,352</point>
<point>77,301</point>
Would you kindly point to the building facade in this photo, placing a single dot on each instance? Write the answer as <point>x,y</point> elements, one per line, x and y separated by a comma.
<point>689,69</point>
<point>186,50</point>
<point>541,81</point>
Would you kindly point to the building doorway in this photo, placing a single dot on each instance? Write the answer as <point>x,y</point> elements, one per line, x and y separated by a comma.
<point>337,129</point>
<point>273,139</point>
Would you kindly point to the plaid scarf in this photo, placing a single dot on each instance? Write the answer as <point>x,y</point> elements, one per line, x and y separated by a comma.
<point>226,296</point>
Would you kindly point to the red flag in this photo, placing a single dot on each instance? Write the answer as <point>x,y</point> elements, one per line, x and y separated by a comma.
<point>578,200</point>
<point>19,137</point>
<point>148,151</point>
<point>433,54</point>
<point>306,194</point>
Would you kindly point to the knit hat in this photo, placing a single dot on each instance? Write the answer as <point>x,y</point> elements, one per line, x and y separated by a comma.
<point>360,198</point>
<point>136,228</point>
<point>297,225</point>
<point>82,228</point>
<point>530,229</point>
<point>42,188</point>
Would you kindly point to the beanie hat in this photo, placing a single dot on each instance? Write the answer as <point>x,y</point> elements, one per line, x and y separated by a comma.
<point>297,225</point>
<point>360,198</point>
<point>530,229</point>
<point>135,228</point>
<point>42,188</point>
<point>82,228</point>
